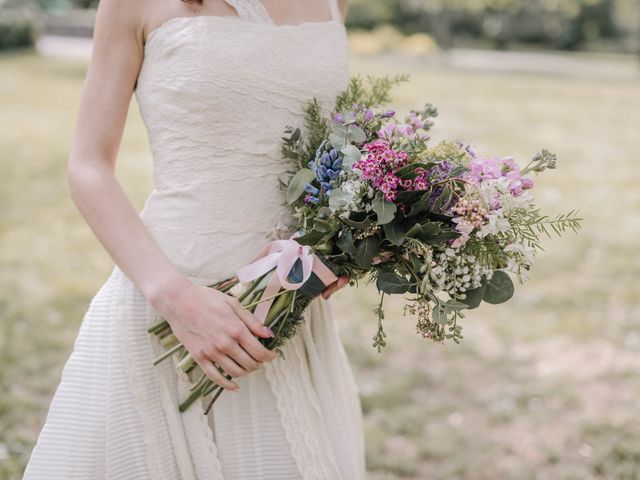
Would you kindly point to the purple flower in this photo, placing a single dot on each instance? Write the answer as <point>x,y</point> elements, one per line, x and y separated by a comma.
<point>308,198</point>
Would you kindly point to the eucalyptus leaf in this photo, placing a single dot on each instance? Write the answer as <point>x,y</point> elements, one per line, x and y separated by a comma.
<point>350,155</point>
<point>474,297</point>
<point>338,140</point>
<point>392,283</point>
<point>356,134</point>
<point>384,209</point>
<point>499,289</point>
<point>438,315</point>
<point>339,129</point>
<point>454,306</point>
<point>297,183</point>
<point>366,250</point>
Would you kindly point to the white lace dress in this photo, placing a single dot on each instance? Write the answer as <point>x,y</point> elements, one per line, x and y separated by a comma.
<point>215,94</point>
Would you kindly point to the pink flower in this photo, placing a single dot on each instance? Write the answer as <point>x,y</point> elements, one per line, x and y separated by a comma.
<point>379,166</point>
<point>527,183</point>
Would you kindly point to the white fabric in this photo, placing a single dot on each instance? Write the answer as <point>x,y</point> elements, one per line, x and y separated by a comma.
<point>215,94</point>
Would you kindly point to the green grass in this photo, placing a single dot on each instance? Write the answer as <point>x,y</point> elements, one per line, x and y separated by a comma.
<point>543,387</point>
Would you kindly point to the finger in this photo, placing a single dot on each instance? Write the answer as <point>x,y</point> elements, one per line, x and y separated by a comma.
<point>256,349</point>
<point>330,290</point>
<point>211,371</point>
<point>230,366</point>
<point>243,359</point>
<point>335,286</point>
<point>250,320</point>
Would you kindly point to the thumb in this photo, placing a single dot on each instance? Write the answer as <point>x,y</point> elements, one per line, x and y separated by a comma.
<point>251,321</point>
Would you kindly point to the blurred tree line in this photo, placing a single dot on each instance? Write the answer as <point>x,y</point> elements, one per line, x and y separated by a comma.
<point>612,25</point>
<point>556,24</point>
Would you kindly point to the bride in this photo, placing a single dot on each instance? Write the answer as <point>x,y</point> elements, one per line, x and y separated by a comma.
<point>216,82</point>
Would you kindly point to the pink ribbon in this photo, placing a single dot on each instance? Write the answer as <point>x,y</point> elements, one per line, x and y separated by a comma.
<point>282,255</point>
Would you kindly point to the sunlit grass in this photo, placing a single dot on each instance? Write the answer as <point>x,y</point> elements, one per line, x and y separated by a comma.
<point>544,387</point>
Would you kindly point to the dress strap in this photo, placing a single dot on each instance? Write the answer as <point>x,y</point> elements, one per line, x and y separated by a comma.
<point>336,15</point>
<point>251,10</point>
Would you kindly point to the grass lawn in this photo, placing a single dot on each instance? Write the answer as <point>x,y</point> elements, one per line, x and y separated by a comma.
<point>544,387</point>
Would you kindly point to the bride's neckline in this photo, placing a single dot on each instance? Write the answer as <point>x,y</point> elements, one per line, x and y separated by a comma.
<point>237,20</point>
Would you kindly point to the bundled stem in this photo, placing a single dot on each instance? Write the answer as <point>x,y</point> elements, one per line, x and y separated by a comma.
<point>284,314</point>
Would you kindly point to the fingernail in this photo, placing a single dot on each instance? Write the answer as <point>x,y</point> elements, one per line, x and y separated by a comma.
<point>268,331</point>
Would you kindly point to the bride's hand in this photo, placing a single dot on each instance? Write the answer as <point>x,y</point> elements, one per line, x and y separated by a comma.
<point>216,329</point>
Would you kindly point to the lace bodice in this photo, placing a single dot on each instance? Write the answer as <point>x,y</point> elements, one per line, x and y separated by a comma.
<point>215,94</point>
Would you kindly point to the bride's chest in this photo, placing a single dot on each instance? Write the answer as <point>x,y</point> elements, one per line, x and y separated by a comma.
<point>190,61</point>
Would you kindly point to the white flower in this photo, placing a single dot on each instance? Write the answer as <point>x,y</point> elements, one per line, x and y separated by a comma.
<point>496,224</point>
<point>526,253</point>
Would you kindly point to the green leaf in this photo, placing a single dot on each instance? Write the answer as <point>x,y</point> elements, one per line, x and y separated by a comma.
<point>311,238</point>
<point>337,140</point>
<point>409,171</point>
<point>297,183</point>
<point>454,306</point>
<point>442,237</point>
<point>499,289</point>
<point>323,225</point>
<point>392,283</point>
<point>366,250</point>
<point>421,205</point>
<point>438,315</point>
<point>346,243</point>
<point>356,134</point>
<point>396,231</point>
<point>443,200</point>
<point>474,297</point>
<point>356,222</point>
<point>350,155</point>
<point>424,232</point>
<point>384,210</point>
<point>409,197</point>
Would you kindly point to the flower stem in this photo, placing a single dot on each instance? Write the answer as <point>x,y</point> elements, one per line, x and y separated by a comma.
<point>168,353</point>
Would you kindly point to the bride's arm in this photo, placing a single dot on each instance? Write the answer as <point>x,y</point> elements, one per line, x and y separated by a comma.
<point>344,7</point>
<point>212,326</point>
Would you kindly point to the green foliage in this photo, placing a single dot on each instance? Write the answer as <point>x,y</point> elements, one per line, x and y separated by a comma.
<point>17,29</point>
<point>559,24</point>
<point>370,91</point>
<point>317,126</point>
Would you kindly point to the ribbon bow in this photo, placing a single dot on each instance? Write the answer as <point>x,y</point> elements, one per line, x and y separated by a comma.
<point>283,255</point>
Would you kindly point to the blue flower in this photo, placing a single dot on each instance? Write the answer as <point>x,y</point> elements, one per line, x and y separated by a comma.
<point>311,189</point>
<point>327,164</point>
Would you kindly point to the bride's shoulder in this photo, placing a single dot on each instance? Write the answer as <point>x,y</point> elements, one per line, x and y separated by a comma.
<point>122,17</point>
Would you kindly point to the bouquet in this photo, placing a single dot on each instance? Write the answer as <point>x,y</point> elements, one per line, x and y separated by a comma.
<point>372,198</point>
